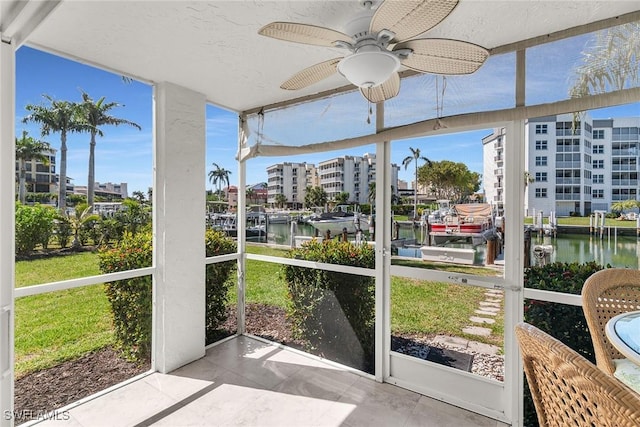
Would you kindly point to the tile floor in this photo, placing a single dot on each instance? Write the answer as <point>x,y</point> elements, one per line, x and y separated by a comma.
<point>245,382</point>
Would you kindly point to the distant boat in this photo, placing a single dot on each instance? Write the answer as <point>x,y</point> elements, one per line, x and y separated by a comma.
<point>465,221</point>
<point>227,224</point>
<point>279,218</point>
<point>341,218</point>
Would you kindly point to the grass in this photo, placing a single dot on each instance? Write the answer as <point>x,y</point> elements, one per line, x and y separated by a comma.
<point>584,221</point>
<point>55,268</point>
<point>63,325</point>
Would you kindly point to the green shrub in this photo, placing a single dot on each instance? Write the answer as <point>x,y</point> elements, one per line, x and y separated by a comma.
<point>63,231</point>
<point>34,225</point>
<point>333,313</point>
<point>218,281</point>
<point>565,322</point>
<point>130,299</point>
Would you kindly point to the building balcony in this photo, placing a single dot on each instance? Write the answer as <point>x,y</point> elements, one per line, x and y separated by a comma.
<point>625,182</point>
<point>571,181</point>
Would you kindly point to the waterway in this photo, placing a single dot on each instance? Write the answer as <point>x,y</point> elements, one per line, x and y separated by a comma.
<point>621,251</point>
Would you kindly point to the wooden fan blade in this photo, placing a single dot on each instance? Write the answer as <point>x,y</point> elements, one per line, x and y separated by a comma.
<point>312,75</point>
<point>409,18</point>
<point>303,33</point>
<point>386,90</point>
<point>442,56</point>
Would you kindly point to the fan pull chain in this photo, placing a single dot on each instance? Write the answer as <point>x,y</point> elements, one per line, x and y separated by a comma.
<point>369,105</point>
<point>440,98</point>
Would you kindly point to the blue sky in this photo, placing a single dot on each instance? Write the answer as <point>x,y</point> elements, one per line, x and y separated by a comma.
<point>124,154</point>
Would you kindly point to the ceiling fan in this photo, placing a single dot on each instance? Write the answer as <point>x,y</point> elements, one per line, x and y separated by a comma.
<point>379,42</point>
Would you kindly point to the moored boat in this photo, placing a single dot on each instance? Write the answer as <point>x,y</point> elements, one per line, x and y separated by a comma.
<point>336,221</point>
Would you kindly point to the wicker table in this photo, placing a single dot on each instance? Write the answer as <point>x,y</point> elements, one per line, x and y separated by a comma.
<point>623,331</point>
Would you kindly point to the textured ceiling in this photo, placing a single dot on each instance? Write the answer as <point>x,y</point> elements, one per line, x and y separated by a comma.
<point>213,47</point>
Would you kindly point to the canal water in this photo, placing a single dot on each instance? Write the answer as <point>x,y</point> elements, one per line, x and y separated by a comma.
<point>621,251</point>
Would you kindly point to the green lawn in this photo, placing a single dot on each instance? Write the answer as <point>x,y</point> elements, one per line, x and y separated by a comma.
<point>584,221</point>
<point>63,325</point>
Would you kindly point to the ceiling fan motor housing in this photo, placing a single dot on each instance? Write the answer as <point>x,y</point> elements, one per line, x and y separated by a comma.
<point>370,66</point>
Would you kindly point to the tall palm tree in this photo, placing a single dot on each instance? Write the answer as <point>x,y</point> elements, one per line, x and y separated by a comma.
<point>28,148</point>
<point>250,194</point>
<point>62,117</point>
<point>219,176</point>
<point>414,157</point>
<point>95,114</point>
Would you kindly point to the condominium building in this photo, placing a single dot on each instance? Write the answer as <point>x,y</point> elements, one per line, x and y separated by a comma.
<point>108,190</point>
<point>575,165</point>
<point>40,176</point>
<point>353,175</point>
<point>349,174</point>
<point>493,170</point>
<point>290,180</point>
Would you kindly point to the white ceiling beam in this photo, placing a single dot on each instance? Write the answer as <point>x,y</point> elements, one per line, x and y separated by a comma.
<point>20,18</point>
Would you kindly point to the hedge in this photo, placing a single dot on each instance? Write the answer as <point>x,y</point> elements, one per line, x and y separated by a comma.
<point>131,299</point>
<point>334,313</point>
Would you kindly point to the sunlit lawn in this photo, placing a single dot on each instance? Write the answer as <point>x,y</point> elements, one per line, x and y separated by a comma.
<point>584,221</point>
<point>63,325</point>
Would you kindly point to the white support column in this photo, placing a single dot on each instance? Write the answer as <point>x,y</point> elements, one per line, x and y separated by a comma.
<point>241,227</point>
<point>7,228</point>
<point>514,265</point>
<point>179,226</point>
<point>383,250</point>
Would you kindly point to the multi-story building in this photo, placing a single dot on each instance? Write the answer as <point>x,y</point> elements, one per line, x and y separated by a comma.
<point>290,180</point>
<point>493,171</point>
<point>108,190</point>
<point>353,175</point>
<point>350,174</point>
<point>574,166</point>
<point>40,176</point>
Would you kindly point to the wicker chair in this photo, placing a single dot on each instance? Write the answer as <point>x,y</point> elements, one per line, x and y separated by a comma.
<point>606,294</point>
<point>568,390</point>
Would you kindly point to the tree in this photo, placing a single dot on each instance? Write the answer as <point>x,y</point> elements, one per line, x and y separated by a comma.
<point>414,157</point>
<point>372,193</point>
<point>281,200</point>
<point>95,114</point>
<point>28,148</point>
<point>138,196</point>
<point>80,217</point>
<point>624,205</point>
<point>251,194</point>
<point>342,197</point>
<point>612,62</point>
<point>315,196</point>
<point>57,117</point>
<point>449,180</point>
<point>219,176</point>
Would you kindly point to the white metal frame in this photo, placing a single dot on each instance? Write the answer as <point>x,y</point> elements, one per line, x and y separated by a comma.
<point>7,228</point>
<point>513,269</point>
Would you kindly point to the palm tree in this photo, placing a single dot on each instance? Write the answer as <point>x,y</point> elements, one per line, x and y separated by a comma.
<point>77,220</point>
<point>94,115</point>
<point>62,117</point>
<point>28,148</point>
<point>250,194</point>
<point>415,155</point>
<point>219,176</point>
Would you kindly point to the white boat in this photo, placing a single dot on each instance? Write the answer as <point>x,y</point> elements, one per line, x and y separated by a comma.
<point>341,218</point>
<point>279,217</point>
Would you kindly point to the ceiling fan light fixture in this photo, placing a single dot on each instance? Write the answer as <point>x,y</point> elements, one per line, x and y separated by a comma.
<point>369,68</point>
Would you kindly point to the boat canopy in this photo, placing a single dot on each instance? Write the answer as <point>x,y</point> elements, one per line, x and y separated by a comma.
<point>474,209</point>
